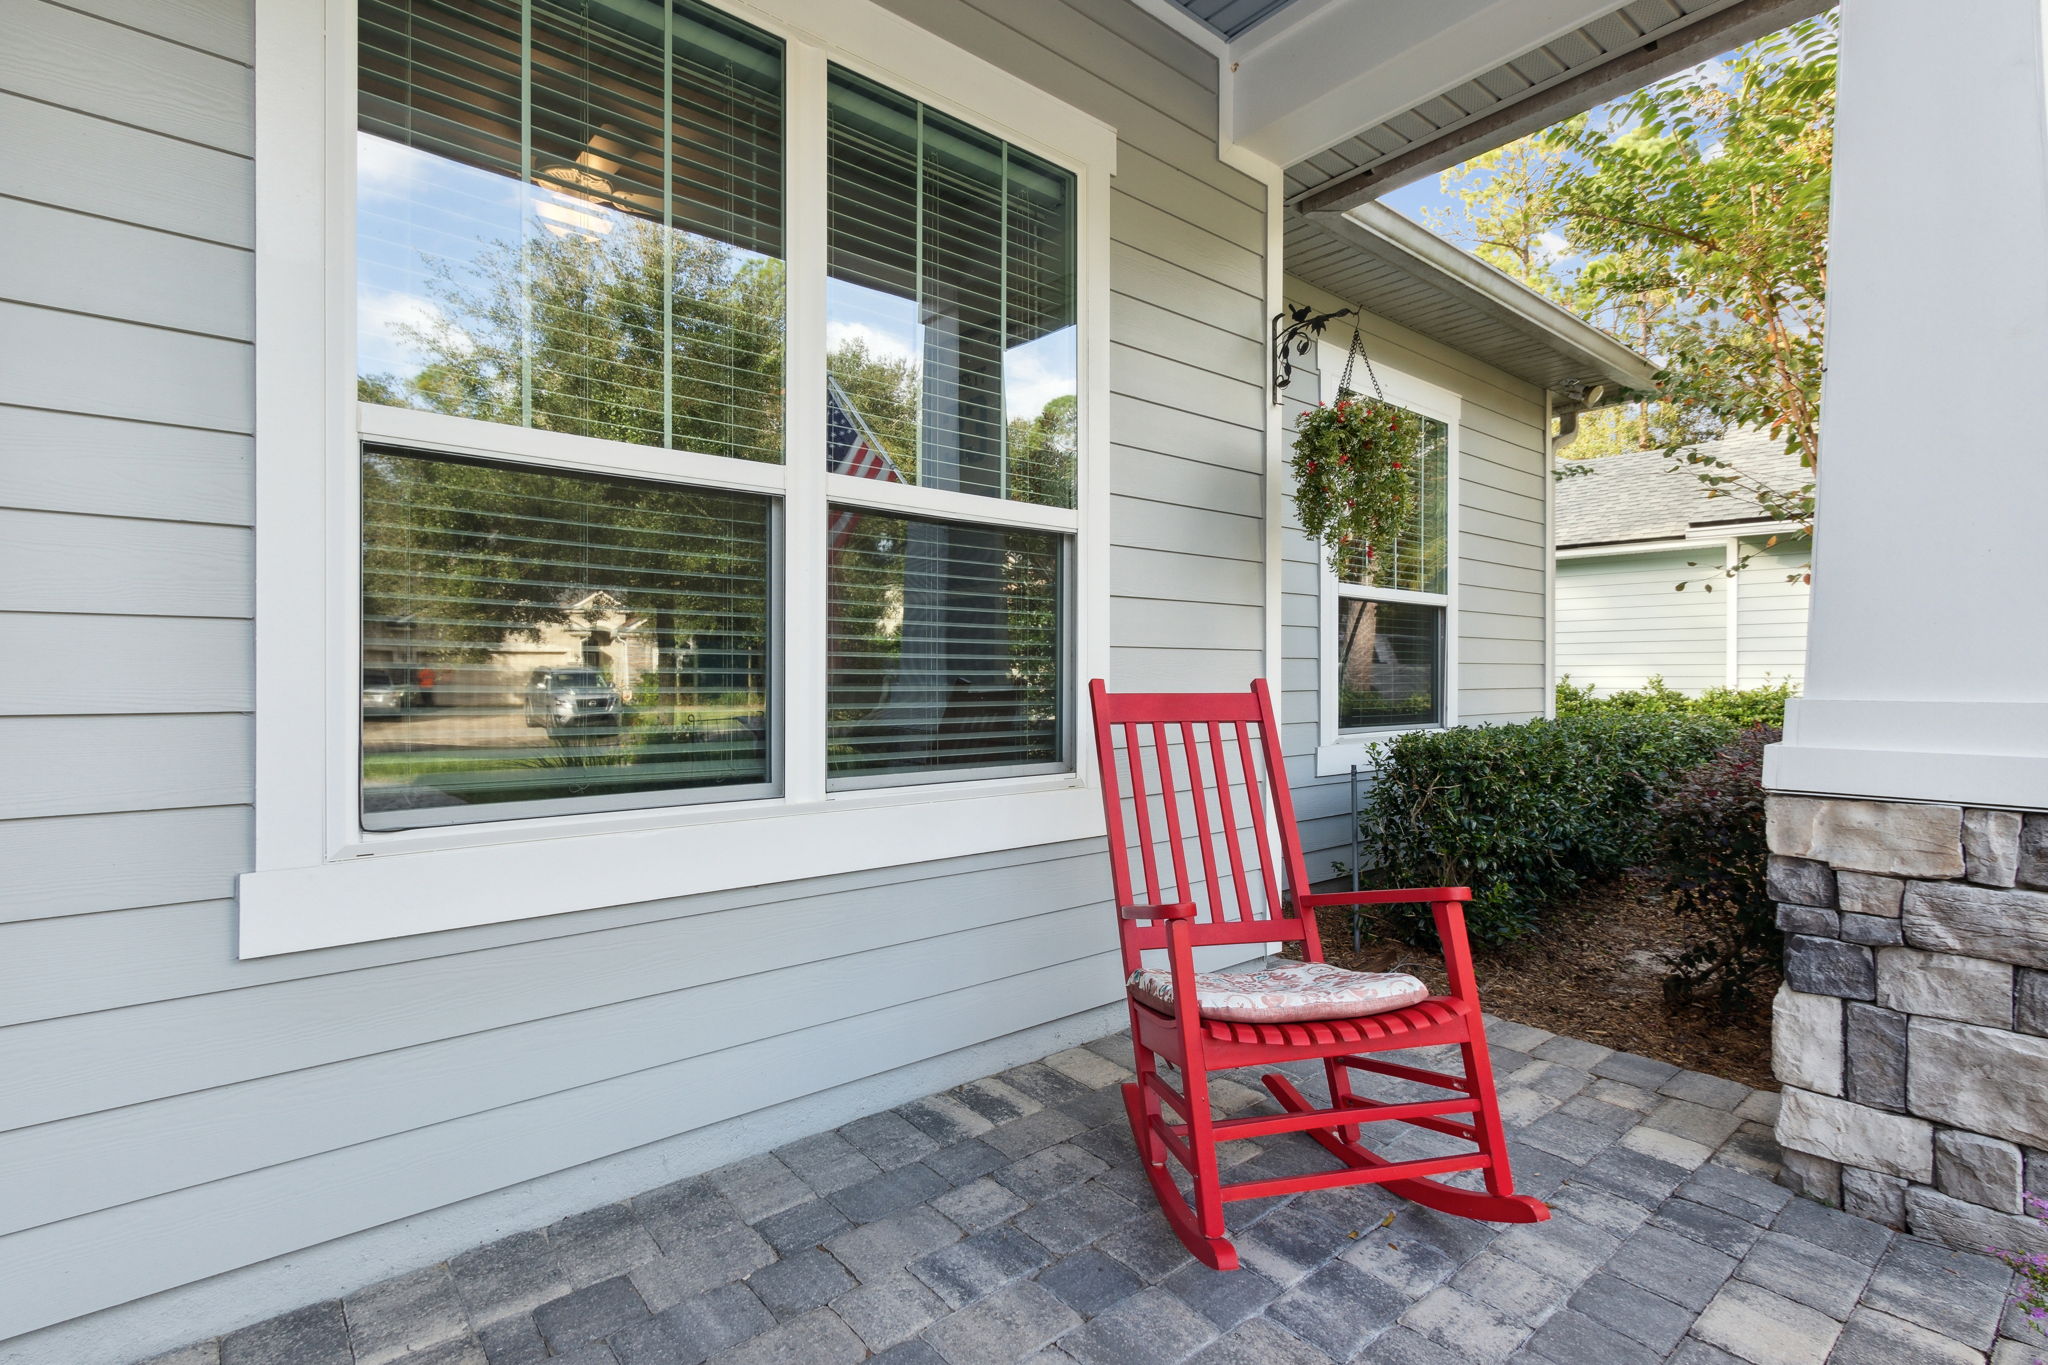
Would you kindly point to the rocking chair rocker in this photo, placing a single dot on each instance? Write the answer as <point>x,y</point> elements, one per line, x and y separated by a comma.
<point>1160,744</point>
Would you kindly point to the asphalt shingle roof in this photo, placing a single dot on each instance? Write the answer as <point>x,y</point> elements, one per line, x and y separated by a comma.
<point>1638,496</point>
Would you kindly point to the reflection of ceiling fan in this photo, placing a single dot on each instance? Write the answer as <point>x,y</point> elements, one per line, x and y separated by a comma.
<point>583,199</point>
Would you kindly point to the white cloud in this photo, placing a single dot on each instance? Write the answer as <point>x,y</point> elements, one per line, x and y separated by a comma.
<point>383,167</point>
<point>381,347</point>
<point>1557,247</point>
<point>881,344</point>
<point>1037,372</point>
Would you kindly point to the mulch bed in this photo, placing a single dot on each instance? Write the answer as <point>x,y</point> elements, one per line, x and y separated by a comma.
<point>1595,971</point>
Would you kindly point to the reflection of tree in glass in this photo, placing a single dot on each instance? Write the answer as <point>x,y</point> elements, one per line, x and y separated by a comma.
<point>885,392</point>
<point>477,556</point>
<point>578,327</point>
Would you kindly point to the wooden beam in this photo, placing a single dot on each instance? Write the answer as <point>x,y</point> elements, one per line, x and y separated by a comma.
<point>1541,106</point>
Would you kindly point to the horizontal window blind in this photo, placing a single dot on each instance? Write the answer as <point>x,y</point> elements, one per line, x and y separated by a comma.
<point>1389,664</point>
<point>945,647</point>
<point>570,217</point>
<point>951,296</point>
<point>537,642</point>
<point>1419,559</point>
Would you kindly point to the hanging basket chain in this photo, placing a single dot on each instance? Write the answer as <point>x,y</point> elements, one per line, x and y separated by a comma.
<point>1352,356</point>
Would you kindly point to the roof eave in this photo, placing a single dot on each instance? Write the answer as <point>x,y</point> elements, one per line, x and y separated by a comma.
<point>1383,231</point>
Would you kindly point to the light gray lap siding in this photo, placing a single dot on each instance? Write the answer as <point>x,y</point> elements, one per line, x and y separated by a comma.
<point>1501,550</point>
<point>176,1114</point>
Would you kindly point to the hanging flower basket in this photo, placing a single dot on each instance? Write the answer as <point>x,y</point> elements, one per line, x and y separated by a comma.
<point>1354,476</point>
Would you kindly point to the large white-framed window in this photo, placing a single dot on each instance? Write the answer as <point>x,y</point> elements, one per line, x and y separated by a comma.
<point>1388,642</point>
<point>680,434</point>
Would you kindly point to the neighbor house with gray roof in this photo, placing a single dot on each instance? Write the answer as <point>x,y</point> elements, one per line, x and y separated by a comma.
<point>1656,577</point>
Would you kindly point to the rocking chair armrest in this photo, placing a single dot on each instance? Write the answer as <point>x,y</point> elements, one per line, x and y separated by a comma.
<point>1433,895</point>
<point>1178,910</point>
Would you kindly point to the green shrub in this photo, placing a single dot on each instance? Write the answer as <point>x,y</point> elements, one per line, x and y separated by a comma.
<point>1739,706</point>
<point>1715,863</point>
<point>1523,814</point>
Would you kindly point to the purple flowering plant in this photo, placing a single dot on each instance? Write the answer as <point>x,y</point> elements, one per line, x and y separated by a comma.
<point>2030,1291</point>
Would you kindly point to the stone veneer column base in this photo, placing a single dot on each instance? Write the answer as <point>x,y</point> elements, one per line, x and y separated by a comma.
<point>1911,1034</point>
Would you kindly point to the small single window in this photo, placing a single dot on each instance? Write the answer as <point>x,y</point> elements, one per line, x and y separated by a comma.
<point>488,590</point>
<point>945,644</point>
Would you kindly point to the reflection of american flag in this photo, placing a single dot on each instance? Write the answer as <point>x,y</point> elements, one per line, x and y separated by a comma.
<point>851,448</point>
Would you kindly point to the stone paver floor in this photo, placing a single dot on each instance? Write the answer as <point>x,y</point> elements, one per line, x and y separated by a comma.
<point>1008,1221</point>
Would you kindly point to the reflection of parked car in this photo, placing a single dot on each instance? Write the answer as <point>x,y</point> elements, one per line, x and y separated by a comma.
<point>561,698</point>
<point>388,692</point>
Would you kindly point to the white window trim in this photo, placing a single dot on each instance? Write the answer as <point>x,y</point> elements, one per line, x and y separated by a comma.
<point>318,880</point>
<point>1339,751</point>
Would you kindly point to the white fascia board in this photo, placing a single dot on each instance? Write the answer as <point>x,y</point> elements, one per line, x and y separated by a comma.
<point>1354,63</point>
<point>1627,547</point>
<point>1387,234</point>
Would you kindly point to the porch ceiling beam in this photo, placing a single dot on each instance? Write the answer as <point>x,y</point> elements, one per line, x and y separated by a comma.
<point>1655,58</point>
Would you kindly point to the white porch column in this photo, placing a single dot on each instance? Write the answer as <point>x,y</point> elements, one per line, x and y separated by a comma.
<point>1927,665</point>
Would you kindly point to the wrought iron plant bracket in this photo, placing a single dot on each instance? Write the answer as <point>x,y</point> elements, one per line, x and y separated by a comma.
<point>1294,329</point>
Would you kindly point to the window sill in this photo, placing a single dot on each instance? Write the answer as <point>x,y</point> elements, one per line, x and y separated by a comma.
<point>392,895</point>
<point>1354,751</point>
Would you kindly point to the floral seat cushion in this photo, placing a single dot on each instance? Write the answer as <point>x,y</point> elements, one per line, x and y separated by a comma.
<point>1281,994</point>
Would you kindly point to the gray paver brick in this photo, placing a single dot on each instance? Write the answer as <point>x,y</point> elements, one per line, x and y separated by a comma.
<point>826,1162</point>
<point>759,1186</point>
<point>1844,1234</point>
<point>695,1328</point>
<point>890,1310</point>
<point>1719,1185</point>
<point>889,1140</point>
<point>1044,1084</point>
<point>1874,1336</point>
<point>1410,1266</point>
<point>1630,1069</point>
<point>1636,1313</point>
<point>881,1248</point>
<point>1613,1118</point>
<point>1452,1319</point>
<point>1568,1137</point>
<point>1805,1273</point>
<point>1290,1242</point>
<point>1699,1123</point>
<point>1563,1249</point>
<point>1954,1293</point>
<point>701,1259</point>
<point>1724,1232</point>
<point>1034,1132</point>
<point>909,1353</point>
<point>1572,1338</point>
<point>1339,1308</point>
<point>1004,1327</point>
<point>1090,1069</point>
<point>816,1338</point>
<point>1046,1173</point>
<point>1091,1281</point>
<point>466,1350</point>
<point>1151,1325</point>
<point>1633,1175</point>
<point>397,1317</point>
<point>978,1265</point>
<point>1602,1209</point>
<point>590,1314</point>
<point>996,1100</point>
<point>980,1204</point>
<point>967,1160</point>
<point>1071,1220</point>
<point>198,1353</point>
<point>1675,1266</point>
<point>1763,1328</point>
<point>889,1192</point>
<point>809,1224</point>
<point>1149,1248</point>
<point>600,1243</point>
<point>314,1335</point>
<point>800,1283</point>
<point>944,1118</point>
<point>1502,1033</point>
<point>512,1275</point>
<point>512,1341</point>
<point>1572,1052</point>
<point>1513,1287</point>
<point>1716,1092</point>
<point>1260,1342</point>
<point>1693,1351</point>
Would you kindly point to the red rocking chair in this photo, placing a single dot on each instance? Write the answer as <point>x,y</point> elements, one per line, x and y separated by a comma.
<point>1168,756</point>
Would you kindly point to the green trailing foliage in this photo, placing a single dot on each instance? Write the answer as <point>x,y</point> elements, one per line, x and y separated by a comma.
<point>1739,706</point>
<point>1716,861</point>
<point>1356,465</point>
<point>1526,815</point>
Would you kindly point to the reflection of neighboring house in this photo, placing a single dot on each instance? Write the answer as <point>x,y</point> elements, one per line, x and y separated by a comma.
<point>1631,529</point>
<point>599,634</point>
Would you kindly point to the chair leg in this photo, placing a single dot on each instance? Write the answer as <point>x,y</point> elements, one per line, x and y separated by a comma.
<point>1198,1222</point>
<point>1341,1093</point>
<point>1493,1138</point>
